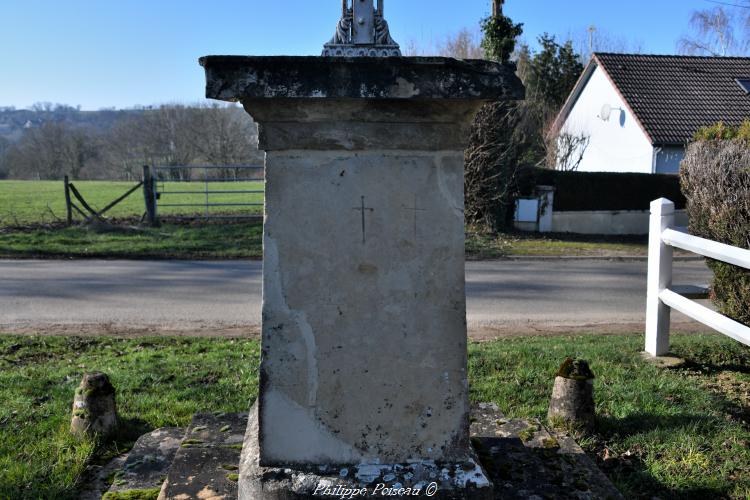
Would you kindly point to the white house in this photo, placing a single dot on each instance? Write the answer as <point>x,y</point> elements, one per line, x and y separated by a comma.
<point>637,112</point>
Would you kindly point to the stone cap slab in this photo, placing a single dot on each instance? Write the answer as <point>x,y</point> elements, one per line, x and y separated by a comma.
<point>238,78</point>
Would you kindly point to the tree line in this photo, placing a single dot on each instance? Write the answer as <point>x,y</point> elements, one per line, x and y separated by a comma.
<point>167,135</point>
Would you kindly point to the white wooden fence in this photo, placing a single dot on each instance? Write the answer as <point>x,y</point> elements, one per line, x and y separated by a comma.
<point>662,297</point>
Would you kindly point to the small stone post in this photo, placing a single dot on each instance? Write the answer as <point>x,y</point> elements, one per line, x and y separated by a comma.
<point>94,409</point>
<point>572,400</point>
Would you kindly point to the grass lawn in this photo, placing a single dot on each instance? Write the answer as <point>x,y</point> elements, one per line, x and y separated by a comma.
<point>488,246</point>
<point>199,241</point>
<point>34,202</point>
<point>675,433</point>
<point>245,240</point>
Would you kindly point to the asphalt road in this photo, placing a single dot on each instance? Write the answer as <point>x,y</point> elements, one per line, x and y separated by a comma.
<point>519,296</point>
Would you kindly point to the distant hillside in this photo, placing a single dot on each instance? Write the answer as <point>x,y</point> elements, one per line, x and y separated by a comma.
<point>14,121</point>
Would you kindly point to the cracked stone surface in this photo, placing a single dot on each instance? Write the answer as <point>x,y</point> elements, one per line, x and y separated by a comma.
<point>244,77</point>
<point>148,462</point>
<point>462,480</point>
<point>206,463</point>
<point>526,460</point>
<point>515,459</point>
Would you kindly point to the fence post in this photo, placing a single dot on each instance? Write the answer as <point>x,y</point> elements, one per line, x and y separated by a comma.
<point>149,196</point>
<point>68,208</point>
<point>659,277</point>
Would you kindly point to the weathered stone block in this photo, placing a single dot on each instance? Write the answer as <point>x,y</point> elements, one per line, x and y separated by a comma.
<point>364,357</point>
<point>94,408</point>
<point>363,308</point>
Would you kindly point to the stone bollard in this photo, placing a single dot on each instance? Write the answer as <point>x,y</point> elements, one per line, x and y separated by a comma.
<point>94,410</point>
<point>572,402</point>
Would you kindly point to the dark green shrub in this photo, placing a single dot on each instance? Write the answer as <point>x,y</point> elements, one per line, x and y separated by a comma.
<point>715,176</point>
<point>577,191</point>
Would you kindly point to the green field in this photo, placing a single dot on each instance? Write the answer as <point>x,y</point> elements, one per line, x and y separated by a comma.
<point>34,202</point>
<point>667,433</point>
<point>31,214</point>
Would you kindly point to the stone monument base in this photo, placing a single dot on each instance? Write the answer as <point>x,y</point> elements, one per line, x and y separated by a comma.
<point>420,479</point>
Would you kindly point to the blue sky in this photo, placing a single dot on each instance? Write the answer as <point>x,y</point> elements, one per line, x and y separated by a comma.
<point>107,53</point>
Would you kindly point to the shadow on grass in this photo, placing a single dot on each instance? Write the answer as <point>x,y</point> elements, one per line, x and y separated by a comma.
<point>129,430</point>
<point>631,474</point>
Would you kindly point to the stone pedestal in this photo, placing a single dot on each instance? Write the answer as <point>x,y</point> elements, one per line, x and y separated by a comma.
<point>364,329</point>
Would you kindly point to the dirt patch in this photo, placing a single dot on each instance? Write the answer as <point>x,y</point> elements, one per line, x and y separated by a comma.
<point>125,331</point>
<point>479,333</point>
<point>483,333</point>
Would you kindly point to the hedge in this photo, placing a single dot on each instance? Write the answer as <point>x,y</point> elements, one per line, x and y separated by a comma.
<point>716,179</point>
<point>579,191</point>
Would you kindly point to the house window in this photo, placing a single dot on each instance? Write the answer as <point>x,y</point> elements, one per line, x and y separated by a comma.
<point>744,84</point>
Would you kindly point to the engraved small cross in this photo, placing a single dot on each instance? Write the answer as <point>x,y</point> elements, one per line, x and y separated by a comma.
<point>415,209</point>
<point>362,209</point>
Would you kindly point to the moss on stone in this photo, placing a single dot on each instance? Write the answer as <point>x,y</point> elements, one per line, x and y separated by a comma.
<point>149,494</point>
<point>527,434</point>
<point>575,369</point>
<point>237,446</point>
<point>192,443</point>
<point>229,467</point>
<point>233,477</point>
<point>550,443</point>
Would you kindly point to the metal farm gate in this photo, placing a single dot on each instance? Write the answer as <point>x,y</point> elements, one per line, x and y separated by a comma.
<point>207,192</point>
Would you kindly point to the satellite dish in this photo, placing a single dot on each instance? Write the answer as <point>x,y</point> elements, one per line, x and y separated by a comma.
<point>606,112</point>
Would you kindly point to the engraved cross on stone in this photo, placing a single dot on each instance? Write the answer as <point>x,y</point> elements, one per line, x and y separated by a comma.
<point>362,209</point>
<point>415,209</point>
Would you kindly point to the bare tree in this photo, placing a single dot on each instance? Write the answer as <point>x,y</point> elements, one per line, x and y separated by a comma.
<point>4,145</point>
<point>465,44</point>
<point>565,150</point>
<point>595,39</point>
<point>719,31</point>
<point>412,49</point>
<point>51,151</point>
<point>169,135</point>
<point>224,135</point>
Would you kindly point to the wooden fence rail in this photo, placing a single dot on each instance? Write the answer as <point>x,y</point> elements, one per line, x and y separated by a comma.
<point>70,205</point>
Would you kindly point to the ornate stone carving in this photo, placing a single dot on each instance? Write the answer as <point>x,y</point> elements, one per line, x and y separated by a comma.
<point>369,37</point>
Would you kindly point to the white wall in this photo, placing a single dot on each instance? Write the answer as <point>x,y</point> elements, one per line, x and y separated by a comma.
<point>609,222</point>
<point>616,145</point>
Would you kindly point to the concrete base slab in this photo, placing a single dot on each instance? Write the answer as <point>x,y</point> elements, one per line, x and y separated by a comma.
<point>420,478</point>
<point>666,361</point>
<point>516,459</point>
